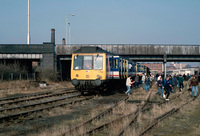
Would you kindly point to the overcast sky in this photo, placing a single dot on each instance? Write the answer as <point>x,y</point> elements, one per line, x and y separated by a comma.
<point>102,21</point>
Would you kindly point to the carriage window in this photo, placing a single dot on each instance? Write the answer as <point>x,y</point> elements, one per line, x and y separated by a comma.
<point>78,62</point>
<point>98,62</point>
<point>130,67</point>
<point>115,63</point>
<point>87,62</point>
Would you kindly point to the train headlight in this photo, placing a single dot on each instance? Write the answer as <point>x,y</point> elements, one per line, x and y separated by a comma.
<point>98,76</point>
<point>97,82</point>
<point>75,82</point>
<point>76,75</point>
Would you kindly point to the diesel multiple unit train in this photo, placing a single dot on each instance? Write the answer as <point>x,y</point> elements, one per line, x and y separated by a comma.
<point>93,68</point>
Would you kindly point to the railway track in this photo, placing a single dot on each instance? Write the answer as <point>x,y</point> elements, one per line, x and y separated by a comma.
<point>135,115</point>
<point>131,120</point>
<point>164,116</point>
<point>117,118</point>
<point>15,98</point>
<point>157,119</point>
<point>99,116</point>
<point>33,97</point>
<point>26,113</point>
<point>17,111</point>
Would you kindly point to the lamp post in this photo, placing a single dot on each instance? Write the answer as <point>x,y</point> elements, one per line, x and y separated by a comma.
<point>69,28</point>
<point>28,33</point>
<point>69,34</point>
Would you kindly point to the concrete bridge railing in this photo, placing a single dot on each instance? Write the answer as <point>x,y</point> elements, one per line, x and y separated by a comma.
<point>136,49</point>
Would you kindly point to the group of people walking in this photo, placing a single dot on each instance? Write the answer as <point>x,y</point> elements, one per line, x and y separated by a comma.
<point>169,85</point>
<point>165,85</point>
<point>146,82</point>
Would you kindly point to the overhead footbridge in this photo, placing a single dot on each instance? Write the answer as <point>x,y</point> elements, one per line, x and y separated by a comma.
<point>142,52</point>
<point>135,52</point>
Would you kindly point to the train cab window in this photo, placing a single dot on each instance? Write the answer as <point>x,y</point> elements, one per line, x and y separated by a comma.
<point>87,62</point>
<point>78,62</point>
<point>98,62</point>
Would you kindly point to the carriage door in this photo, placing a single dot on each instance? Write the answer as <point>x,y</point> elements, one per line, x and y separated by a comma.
<point>120,68</point>
<point>111,67</point>
<point>127,68</point>
<point>115,68</point>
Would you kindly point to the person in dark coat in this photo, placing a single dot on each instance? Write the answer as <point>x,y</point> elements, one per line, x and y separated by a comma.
<point>177,77</point>
<point>160,84</point>
<point>136,81</point>
<point>174,83</point>
<point>147,83</point>
<point>184,76</point>
<point>170,80</point>
<point>167,87</point>
<point>180,80</point>
<point>189,87</point>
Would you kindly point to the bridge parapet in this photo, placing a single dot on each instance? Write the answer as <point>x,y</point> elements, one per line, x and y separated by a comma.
<point>26,49</point>
<point>135,49</point>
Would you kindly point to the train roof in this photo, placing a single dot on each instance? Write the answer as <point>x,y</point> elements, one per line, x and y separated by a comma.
<point>91,50</point>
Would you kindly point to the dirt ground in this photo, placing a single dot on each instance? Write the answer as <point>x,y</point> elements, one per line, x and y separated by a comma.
<point>14,88</point>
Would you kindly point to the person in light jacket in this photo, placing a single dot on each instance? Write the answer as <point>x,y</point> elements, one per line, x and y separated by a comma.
<point>143,81</point>
<point>128,84</point>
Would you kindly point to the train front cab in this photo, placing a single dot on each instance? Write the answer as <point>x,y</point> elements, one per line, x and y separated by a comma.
<point>88,70</point>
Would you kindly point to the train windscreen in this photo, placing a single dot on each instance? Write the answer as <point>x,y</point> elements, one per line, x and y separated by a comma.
<point>98,62</point>
<point>78,60</point>
<point>88,62</point>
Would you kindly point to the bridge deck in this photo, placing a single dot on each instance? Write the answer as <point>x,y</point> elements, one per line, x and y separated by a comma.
<point>143,52</point>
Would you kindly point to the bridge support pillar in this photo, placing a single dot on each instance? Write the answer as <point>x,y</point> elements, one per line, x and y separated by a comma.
<point>164,64</point>
<point>136,69</point>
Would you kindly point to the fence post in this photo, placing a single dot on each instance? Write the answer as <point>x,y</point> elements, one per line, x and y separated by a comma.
<point>34,76</point>
<point>11,75</point>
<point>20,76</point>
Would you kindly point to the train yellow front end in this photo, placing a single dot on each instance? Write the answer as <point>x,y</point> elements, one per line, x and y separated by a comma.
<point>88,70</point>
